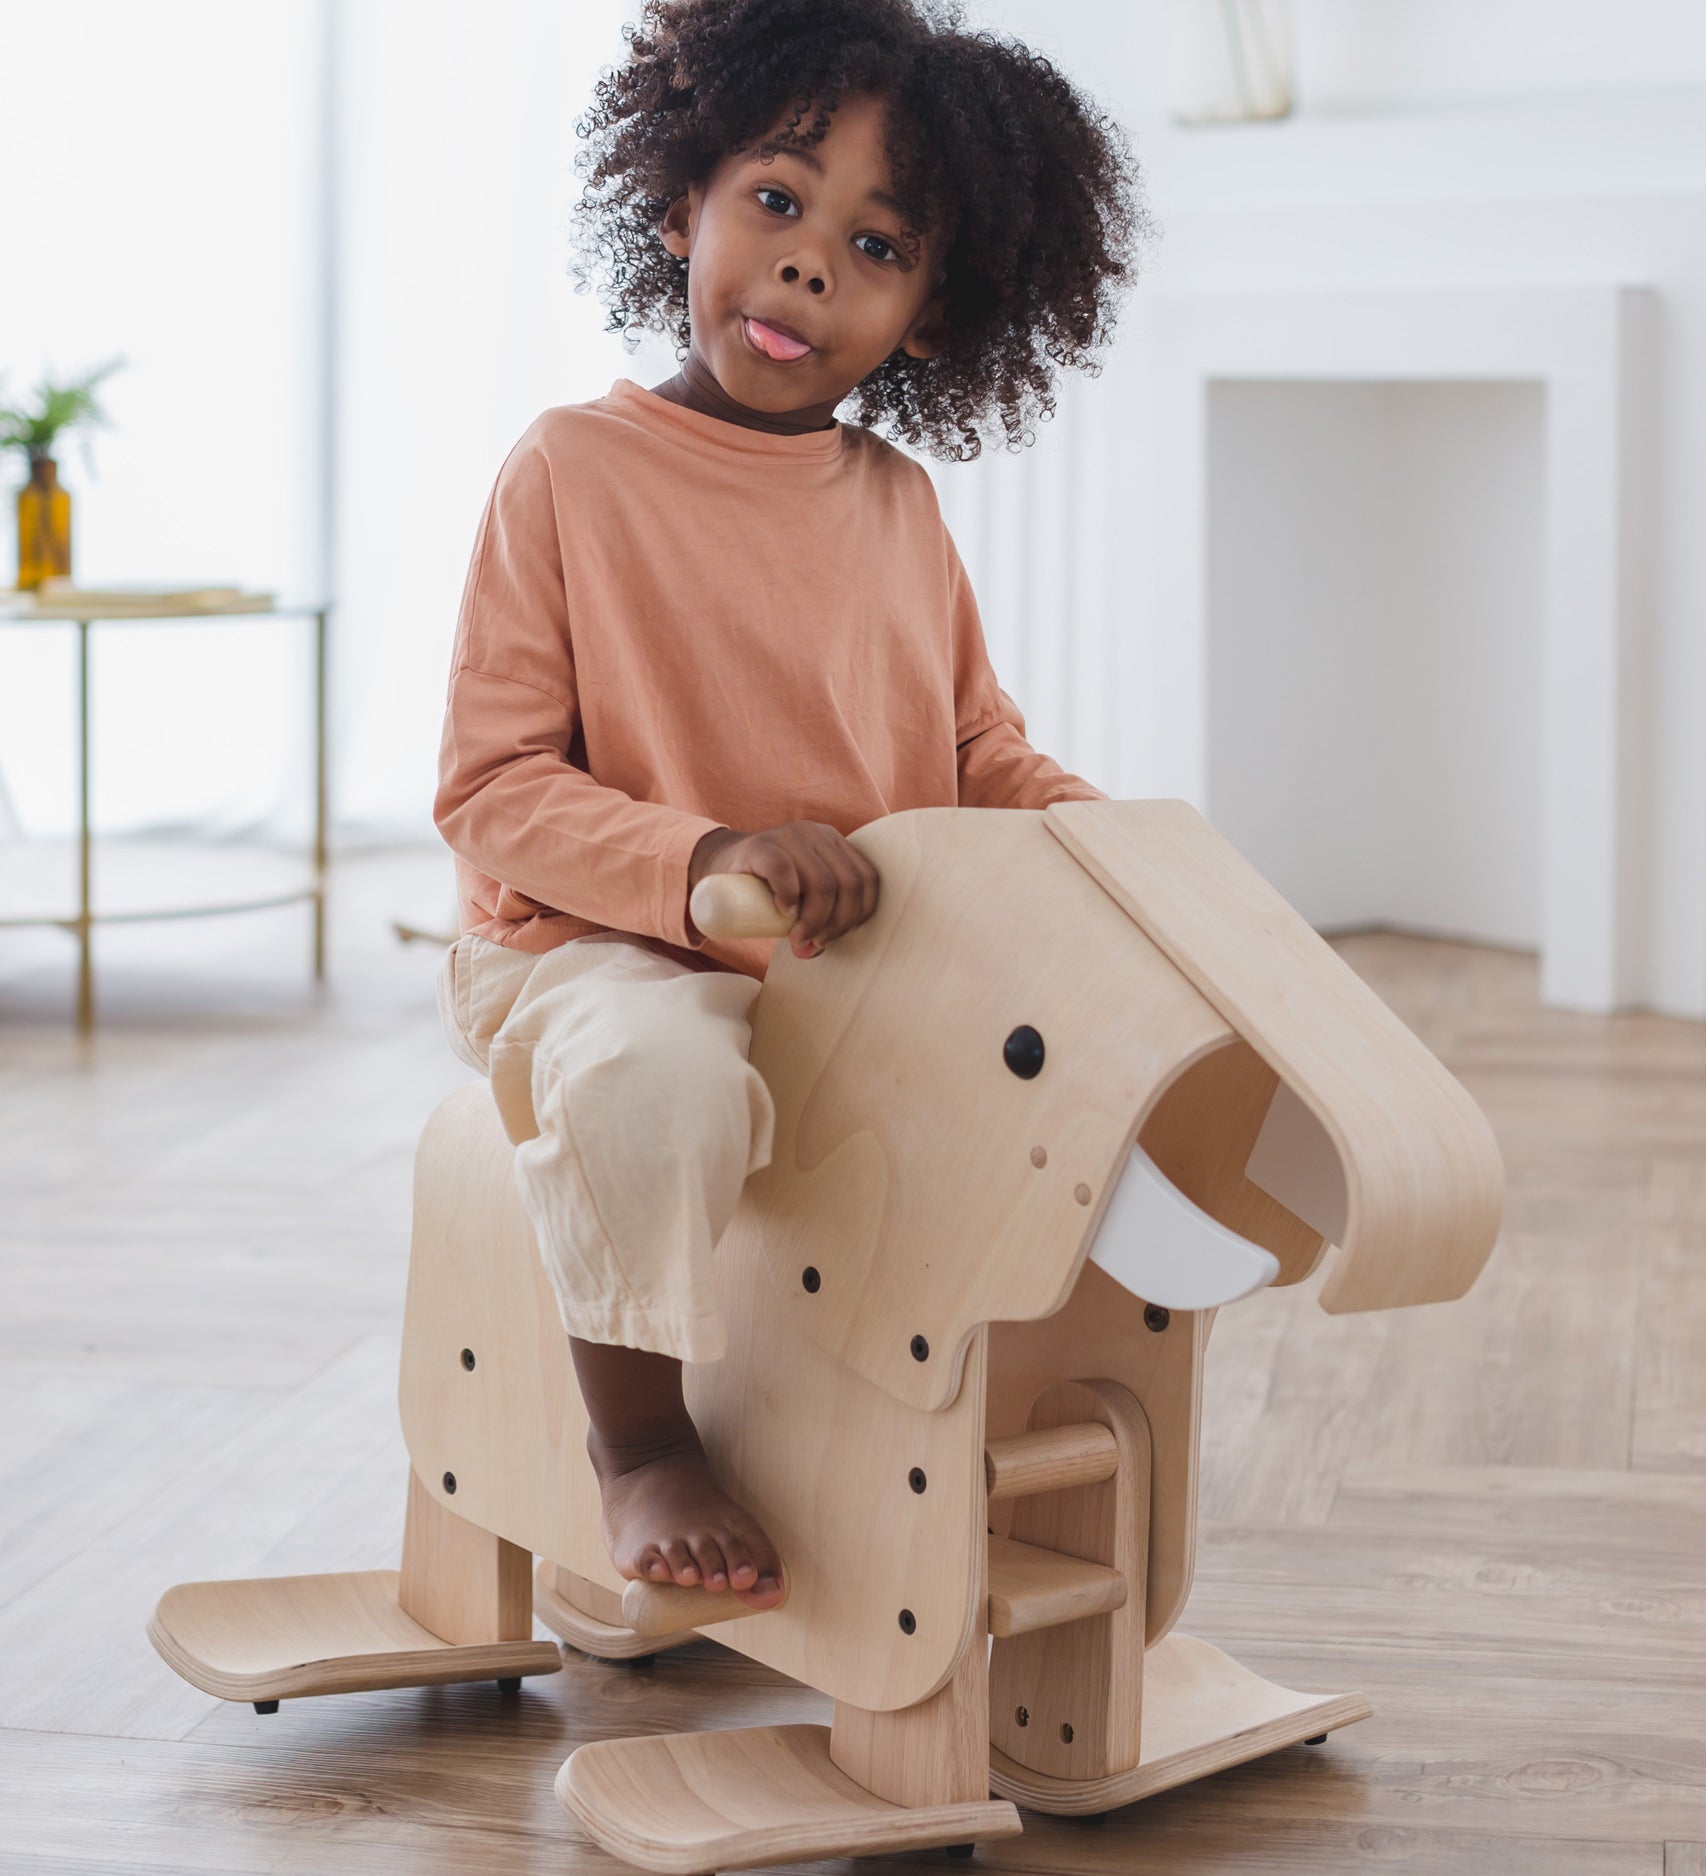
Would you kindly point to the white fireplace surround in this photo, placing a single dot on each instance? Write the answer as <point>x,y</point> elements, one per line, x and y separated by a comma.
<point>1589,351</point>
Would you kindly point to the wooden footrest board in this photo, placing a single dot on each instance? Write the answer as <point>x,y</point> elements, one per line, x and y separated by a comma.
<point>690,1803</point>
<point>1202,1712</point>
<point>280,1637</point>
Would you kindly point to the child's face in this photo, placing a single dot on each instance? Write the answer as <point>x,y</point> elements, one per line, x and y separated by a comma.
<point>806,239</point>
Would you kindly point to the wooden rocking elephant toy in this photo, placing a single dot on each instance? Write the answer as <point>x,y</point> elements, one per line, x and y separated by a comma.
<point>1082,1078</point>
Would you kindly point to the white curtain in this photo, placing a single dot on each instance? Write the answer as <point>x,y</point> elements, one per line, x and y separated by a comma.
<point>160,168</point>
<point>332,242</point>
<point>458,324</point>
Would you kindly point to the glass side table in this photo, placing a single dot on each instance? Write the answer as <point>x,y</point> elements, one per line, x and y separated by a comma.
<point>83,921</point>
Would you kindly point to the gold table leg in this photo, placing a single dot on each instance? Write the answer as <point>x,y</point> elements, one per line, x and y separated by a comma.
<point>85,911</point>
<point>320,796</point>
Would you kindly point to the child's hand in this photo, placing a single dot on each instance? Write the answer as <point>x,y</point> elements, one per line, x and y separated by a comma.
<point>808,866</point>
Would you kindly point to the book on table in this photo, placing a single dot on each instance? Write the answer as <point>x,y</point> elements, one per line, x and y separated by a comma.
<point>67,599</point>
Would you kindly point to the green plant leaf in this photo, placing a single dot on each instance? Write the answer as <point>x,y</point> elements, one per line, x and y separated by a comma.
<point>57,408</point>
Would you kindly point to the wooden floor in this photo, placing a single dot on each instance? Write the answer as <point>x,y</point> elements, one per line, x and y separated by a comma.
<point>1490,1517</point>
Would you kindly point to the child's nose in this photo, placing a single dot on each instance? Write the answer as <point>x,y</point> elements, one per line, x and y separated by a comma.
<point>815,278</point>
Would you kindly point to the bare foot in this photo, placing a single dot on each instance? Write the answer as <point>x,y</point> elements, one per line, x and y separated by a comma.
<point>667,1520</point>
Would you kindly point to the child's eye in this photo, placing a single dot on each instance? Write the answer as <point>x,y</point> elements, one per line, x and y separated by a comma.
<point>762,193</point>
<point>887,245</point>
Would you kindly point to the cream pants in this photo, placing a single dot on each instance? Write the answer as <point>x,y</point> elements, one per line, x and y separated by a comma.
<point>622,1080</point>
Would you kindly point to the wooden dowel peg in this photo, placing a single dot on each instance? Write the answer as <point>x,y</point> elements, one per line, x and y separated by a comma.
<point>667,1608</point>
<point>1051,1459</point>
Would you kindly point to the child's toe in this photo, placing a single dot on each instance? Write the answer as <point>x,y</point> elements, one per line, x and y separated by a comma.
<point>766,1563</point>
<point>707,1553</point>
<point>680,1561</point>
<point>737,1559</point>
<point>765,1593</point>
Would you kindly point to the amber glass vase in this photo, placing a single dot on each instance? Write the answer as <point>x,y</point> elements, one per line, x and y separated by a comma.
<point>44,526</point>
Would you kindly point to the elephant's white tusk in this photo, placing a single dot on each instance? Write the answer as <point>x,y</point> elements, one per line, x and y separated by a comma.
<point>1167,1250</point>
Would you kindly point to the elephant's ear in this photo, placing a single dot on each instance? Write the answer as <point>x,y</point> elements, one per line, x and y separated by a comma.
<point>1416,1198</point>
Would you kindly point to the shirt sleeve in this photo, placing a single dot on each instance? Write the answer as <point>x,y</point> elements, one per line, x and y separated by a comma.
<point>509,800</point>
<point>998,768</point>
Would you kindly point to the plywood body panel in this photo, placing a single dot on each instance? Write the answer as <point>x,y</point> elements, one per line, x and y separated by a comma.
<point>908,1153</point>
<point>821,1455</point>
<point>501,1442</point>
<point>1423,1177</point>
<point>933,1753</point>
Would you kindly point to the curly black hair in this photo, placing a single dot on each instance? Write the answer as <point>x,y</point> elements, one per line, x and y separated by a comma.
<point>1031,189</point>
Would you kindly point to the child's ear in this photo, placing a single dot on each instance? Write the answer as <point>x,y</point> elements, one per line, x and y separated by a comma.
<point>928,333</point>
<point>676,228</point>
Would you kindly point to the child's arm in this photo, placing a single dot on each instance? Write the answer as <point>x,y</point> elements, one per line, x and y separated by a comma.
<point>508,798</point>
<point>998,768</point>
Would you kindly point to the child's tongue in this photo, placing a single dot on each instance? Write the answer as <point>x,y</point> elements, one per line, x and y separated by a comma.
<point>774,344</point>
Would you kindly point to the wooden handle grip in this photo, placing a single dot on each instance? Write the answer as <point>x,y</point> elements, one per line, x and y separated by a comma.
<point>668,1609</point>
<point>737,905</point>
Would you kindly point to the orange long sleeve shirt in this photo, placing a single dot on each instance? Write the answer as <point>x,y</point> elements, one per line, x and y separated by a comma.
<point>671,624</point>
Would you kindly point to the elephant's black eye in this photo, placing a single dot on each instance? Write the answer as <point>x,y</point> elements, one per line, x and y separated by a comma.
<point>1023,1052</point>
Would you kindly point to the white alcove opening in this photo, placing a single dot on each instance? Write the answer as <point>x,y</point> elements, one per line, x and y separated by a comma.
<point>1375,612</point>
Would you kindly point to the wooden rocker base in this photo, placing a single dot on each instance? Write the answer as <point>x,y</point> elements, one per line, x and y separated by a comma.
<point>1201,1713</point>
<point>281,1637</point>
<point>605,1640</point>
<point>690,1803</point>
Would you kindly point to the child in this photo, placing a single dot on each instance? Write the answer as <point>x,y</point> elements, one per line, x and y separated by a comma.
<point>708,628</point>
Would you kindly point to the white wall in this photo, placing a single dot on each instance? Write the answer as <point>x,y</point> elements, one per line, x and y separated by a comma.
<point>1375,600</point>
<point>1372,55</point>
<point>1437,145</point>
<point>1440,142</point>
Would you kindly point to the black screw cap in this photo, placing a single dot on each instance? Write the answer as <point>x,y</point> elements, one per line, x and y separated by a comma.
<point>1155,1318</point>
<point>468,1359</point>
<point>908,1622</point>
<point>810,1280</point>
<point>916,1479</point>
<point>1023,1052</point>
<point>450,1483</point>
<point>920,1349</point>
